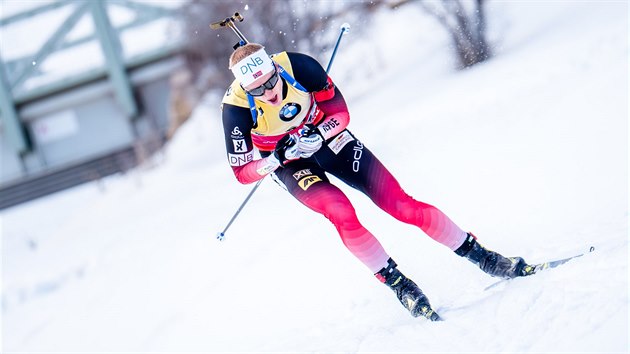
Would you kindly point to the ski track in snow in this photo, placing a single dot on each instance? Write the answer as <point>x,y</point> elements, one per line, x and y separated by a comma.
<point>528,151</point>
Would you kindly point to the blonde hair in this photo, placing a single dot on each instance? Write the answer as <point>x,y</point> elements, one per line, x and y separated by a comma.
<point>242,52</point>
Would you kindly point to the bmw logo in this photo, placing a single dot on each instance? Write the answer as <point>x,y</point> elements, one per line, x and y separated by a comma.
<point>289,111</point>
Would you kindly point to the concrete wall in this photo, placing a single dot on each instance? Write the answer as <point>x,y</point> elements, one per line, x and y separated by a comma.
<point>87,130</point>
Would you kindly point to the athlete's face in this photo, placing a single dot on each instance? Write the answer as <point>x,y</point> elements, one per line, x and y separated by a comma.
<point>272,96</point>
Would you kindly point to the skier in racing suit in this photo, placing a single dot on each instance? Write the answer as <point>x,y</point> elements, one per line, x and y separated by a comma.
<point>288,108</point>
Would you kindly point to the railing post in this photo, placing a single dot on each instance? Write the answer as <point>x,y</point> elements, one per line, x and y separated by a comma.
<point>13,130</point>
<point>112,50</point>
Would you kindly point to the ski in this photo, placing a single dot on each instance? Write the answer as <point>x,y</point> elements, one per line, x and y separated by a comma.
<point>543,266</point>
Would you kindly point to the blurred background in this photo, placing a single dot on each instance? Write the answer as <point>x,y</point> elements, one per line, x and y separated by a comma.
<point>509,116</point>
<point>92,88</point>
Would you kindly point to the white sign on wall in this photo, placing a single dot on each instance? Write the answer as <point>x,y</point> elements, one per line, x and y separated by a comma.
<point>56,126</point>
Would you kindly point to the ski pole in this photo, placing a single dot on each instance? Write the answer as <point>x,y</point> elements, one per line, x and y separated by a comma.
<point>229,22</point>
<point>344,28</point>
<point>221,235</point>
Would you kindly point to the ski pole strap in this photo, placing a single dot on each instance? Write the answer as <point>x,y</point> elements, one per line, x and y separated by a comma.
<point>287,77</point>
<point>252,108</point>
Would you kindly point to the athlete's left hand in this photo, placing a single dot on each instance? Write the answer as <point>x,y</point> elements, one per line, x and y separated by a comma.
<point>310,140</point>
<point>287,149</point>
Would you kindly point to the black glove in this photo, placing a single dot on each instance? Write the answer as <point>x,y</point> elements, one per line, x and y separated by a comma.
<point>310,141</point>
<point>286,149</point>
<point>310,129</point>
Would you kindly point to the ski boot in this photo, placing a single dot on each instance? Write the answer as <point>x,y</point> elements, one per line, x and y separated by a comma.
<point>408,293</point>
<point>491,262</point>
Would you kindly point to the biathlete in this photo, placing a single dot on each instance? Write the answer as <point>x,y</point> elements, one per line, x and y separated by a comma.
<point>288,108</point>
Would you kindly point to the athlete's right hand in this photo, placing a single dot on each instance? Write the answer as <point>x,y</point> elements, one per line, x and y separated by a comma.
<point>287,149</point>
<point>310,141</point>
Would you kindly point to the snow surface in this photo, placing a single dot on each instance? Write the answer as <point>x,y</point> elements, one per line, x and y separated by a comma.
<point>528,150</point>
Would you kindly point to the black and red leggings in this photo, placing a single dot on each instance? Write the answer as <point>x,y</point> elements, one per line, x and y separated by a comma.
<point>348,159</point>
